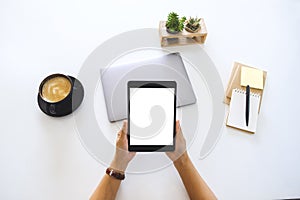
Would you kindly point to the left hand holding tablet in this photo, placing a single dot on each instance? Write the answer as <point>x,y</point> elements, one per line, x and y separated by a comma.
<point>122,155</point>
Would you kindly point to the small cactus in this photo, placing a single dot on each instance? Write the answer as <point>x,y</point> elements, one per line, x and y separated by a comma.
<point>193,24</point>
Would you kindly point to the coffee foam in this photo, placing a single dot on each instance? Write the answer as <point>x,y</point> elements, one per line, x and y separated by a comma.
<point>56,89</point>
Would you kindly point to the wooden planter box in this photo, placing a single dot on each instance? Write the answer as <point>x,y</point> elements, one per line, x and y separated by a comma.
<point>182,38</point>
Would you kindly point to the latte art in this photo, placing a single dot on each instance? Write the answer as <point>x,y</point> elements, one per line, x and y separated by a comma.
<point>56,89</point>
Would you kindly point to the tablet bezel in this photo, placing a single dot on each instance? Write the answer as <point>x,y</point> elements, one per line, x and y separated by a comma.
<point>151,84</point>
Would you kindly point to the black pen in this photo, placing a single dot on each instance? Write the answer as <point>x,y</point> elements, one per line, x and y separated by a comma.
<point>247,104</point>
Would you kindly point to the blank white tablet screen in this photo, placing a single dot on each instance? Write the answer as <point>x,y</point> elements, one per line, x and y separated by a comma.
<point>151,116</point>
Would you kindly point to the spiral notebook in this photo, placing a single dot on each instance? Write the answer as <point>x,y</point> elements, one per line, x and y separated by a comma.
<point>236,117</point>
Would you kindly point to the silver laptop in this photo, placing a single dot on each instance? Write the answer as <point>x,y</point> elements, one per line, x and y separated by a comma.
<point>168,67</point>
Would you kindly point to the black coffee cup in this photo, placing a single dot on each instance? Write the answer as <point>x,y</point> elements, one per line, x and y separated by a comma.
<point>60,95</point>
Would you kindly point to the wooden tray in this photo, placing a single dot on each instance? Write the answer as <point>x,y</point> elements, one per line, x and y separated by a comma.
<point>182,38</point>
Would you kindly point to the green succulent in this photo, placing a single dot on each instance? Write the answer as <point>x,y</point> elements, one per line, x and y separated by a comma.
<point>174,23</point>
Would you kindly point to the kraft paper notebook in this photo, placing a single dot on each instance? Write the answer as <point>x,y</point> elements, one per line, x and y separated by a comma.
<point>235,82</point>
<point>236,116</point>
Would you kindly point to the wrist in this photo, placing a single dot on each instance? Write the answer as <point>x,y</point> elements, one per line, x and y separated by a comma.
<point>118,166</point>
<point>181,161</point>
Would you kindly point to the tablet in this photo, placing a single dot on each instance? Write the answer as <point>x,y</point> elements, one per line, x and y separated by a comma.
<point>151,115</point>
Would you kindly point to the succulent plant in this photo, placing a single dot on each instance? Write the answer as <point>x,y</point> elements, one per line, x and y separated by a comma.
<point>193,24</point>
<point>174,24</point>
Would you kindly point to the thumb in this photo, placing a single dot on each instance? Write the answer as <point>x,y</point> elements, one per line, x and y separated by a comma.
<point>177,126</point>
<point>124,129</point>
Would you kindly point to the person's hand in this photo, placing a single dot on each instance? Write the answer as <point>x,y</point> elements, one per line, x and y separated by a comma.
<point>180,145</point>
<point>122,155</point>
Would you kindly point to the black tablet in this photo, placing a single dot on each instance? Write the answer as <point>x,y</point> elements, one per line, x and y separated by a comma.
<point>151,115</point>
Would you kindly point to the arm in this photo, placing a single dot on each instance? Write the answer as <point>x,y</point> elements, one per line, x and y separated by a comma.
<point>193,182</point>
<point>108,187</point>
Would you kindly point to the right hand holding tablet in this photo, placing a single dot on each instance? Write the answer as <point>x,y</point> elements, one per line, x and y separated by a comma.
<point>180,144</point>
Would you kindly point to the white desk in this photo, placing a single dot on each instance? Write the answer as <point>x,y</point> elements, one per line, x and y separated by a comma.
<point>42,158</point>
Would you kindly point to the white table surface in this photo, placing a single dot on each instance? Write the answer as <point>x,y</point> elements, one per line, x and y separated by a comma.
<point>42,157</point>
